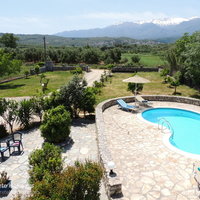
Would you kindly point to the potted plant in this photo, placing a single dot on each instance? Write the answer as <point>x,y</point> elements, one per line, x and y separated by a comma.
<point>4,181</point>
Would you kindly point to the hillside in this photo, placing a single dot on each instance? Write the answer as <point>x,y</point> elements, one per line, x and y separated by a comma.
<point>51,40</point>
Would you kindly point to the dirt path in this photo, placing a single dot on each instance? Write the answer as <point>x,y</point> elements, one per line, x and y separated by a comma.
<point>93,75</point>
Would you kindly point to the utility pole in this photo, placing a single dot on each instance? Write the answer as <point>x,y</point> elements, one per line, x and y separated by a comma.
<point>45,50</point>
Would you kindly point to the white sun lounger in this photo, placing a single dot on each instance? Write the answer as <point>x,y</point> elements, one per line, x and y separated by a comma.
<point>142,101</point>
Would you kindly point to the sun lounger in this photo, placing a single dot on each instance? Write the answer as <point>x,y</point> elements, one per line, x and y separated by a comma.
<point>196,172</point>
<point>126,106</point>
<point>142,101</point>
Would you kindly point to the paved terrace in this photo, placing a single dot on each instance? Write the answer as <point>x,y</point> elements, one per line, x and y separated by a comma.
<point>83,146</point>
<point>148,169</point>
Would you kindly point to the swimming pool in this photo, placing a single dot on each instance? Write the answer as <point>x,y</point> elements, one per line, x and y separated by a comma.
<point>185,125</point>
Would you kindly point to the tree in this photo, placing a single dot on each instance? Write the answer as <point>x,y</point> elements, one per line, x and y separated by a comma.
<point>71,95</point>
<point>88,100</point>
<point>56,125</point>
<point>44,162</point>
<point>135,59</point>
<point>7,65</point>
<point>79,182</point>
<point>132,87</point>
<point>172,59</point>
<point>38,106</point>
<point>25,112</point>
<point>8,111</point>
<point>9,40</point>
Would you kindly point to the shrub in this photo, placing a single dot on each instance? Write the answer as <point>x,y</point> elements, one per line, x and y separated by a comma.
<point>71,95</point>
<point>132,87</point>
<point>79,182</point>
<point>3,178</point>
<point>88,100</point>
<point>77,70</point>
<point>38,106</point>
<point>56,125</point>
<point>3,131</point>
<point>8,111</point>
<point>37,69</point>
<point>44,161</point>
<point>135,59</point>
<point>25,113</point>
<point>41,64</point>
<point>26,73</point>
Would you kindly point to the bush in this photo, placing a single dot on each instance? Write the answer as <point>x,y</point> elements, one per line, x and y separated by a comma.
<point>37,69</point>
<point>25,113</point>
<point>41,64</point>
<point>3,131</point>
<point>56,125</point>
<point>44,161</point>
<point>79,182</point>
<point>71,95</point>
<point>78,70</point>
<point>135,59</point>
<point>26,73</point>
<point>88,100</point>
<point>132,87</point>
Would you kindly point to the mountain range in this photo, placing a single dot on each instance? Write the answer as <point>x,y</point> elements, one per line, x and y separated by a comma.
<point>152,30</point>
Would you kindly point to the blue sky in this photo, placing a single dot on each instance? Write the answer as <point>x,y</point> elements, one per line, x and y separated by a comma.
<point>52,16</point>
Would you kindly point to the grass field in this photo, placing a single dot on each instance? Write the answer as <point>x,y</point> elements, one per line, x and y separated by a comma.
<point>118,88</point>
<point>32,86</point>
<point>147,60</point>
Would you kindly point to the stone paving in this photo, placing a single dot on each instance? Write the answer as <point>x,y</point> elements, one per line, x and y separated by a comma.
<point>147,168</point>
<point>83,146</point>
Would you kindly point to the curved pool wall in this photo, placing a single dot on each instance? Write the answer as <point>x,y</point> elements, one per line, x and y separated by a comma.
<point>180,122</point>
<point>113,184</point>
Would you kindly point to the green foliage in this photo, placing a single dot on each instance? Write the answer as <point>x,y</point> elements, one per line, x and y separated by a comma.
<point>44,162</point>
<point>3,131</point>
<point>91,56</point>
<point>9,40</point>
<point>112,56</point>
<point>175,83</point>
<point>52,101</point>
<point>9,111</point>
<point>25,112</point>
<point>164,72</point>
<point>188,52</point>
<point>56,125</point>
<point>8,65</point>
<point>37,69</point>
<point>26,73</point>
<point>79,182</point>
<point>88,100</point>
<point>133,86</point>
<point>38,104</point>
<point>71,95</point>
<point>78,70</point>
<point>135,59</point>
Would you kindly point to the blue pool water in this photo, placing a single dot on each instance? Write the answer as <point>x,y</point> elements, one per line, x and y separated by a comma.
<point>186,126</point>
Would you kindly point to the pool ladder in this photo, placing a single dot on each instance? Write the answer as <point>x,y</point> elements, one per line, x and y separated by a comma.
<point>164,125</point>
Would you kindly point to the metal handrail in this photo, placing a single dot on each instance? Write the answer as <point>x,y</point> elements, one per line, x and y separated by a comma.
<point>162,122</point>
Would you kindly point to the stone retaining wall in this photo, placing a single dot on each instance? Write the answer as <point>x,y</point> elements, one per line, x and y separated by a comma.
<point>113,184</point>
<point>134,69</point>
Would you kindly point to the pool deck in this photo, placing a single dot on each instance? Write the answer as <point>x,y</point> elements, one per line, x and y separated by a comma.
<point>147,167</point>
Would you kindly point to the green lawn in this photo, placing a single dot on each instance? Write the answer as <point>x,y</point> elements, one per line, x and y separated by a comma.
<point>31,86</point>
<point>118,88</point>
<point>147,60</point>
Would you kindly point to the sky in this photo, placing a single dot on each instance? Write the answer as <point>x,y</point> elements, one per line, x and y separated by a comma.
<point>53,16</point>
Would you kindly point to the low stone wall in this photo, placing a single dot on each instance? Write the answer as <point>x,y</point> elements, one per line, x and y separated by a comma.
<point>134,69</point>
<point>113,184</point>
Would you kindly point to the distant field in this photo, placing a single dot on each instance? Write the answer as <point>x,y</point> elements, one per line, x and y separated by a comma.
<point>118,88</point>
<point>147,60</point>
<point>31,86</point>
